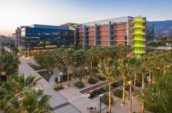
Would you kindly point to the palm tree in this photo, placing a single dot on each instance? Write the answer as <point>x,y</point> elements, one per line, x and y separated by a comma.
<point>91,58</point>
<point>107,68</point>
<point>19,96</point>
<point>35,102</point>
<point>46,61</point>
<point>67,59</point>
<point>122,68</point>
<point>9,63</point>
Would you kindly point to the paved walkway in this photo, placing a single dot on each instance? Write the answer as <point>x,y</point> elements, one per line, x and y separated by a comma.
<point>57,101</point>
<point>70,100</point>
<point>73,95</point>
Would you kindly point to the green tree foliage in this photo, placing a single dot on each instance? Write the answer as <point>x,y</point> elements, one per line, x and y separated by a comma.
<point>19,96</point>
<point>46,61</point>
<point>9,64</point>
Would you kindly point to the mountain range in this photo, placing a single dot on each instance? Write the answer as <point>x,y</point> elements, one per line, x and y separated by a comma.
<point>161,28</point>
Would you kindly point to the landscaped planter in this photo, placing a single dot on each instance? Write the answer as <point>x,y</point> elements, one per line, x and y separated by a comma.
<point>45,75</point>
<point>35,67</point>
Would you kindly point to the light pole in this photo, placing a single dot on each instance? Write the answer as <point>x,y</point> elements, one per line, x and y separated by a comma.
<point>86,69</point>
<point>100,107</point>
<point>59,77</point>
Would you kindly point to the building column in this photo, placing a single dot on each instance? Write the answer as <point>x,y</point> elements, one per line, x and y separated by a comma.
<point>84,36</point>
<point>127,32</point>
<point>95,35</point>
<point>110,34</point>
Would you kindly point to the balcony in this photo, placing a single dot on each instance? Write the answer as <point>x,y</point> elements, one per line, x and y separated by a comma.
<point>139,51</point>
<point>139,19</point>
<point>139,45</point>
<point>139,33</point>
<point>139,27</point>
<point>139,39</point>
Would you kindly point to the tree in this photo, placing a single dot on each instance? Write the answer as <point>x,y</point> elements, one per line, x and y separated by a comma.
<point>158,95</point>
<point>91,58</point>
<point>46,61</point>
<point>67,59</point>
<point>107,68</point>
<point>123,68</point>
<point>19,96</point>
<point>9,63</point>
<point>79,72</point>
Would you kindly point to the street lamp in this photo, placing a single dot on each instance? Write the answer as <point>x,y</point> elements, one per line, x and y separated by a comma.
<point>86,70</point>
<point>100,96</point>
<point>130,104</point>
<point>59,77</point>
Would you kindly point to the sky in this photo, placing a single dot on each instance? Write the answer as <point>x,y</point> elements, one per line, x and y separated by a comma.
<point>14,13</point>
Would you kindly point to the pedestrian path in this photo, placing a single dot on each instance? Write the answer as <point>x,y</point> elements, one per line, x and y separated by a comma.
<point>57,101</point>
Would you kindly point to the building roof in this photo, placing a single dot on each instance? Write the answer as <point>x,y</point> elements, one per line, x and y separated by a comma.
<point>49,26</point>
<point>106,21</point>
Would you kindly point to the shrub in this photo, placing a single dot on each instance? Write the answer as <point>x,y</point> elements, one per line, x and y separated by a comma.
<point>57,87</point>
<point>105,99</point>
<point>79,84</point>
<point>101,78</point>
<point>118,93</point>
<point>92,80</point>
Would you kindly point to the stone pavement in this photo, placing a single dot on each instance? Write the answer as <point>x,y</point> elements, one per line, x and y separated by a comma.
<point>56,98</point>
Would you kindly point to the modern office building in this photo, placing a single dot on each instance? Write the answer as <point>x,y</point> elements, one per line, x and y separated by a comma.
<point>112,32</point>
<point>41,38</point>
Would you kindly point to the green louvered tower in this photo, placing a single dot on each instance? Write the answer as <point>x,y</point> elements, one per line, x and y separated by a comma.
<point>139,35</point>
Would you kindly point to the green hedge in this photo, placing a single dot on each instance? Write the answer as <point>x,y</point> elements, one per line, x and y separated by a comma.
<point>92,80</point>
<point>57,87</point>
<point>79,84</point>
<point>101,78</point>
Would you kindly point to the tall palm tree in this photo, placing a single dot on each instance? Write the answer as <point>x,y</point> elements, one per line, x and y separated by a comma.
<point>67,59</point>
<point>107,68</point>
<point>122,68</point>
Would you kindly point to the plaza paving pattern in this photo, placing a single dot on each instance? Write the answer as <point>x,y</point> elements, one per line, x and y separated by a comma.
<point>57,101</point>
<point>70,100</point>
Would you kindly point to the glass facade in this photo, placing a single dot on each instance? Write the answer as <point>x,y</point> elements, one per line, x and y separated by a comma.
<point>41,38</point>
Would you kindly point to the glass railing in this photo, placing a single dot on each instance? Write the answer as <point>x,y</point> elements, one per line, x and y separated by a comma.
<point>138,19</point>
<point>139,51</point>
<point>138,39</point>
<point>138,26</point>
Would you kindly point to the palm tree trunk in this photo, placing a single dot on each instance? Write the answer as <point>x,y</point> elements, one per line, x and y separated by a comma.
<point>123,93</point>
<point>7,78</point>
<point>109,107</point>
<point>130,104</point>
<point>150,77</point>
<point>134,85</point>
<point>142,104</point>
<point>91,68</point>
